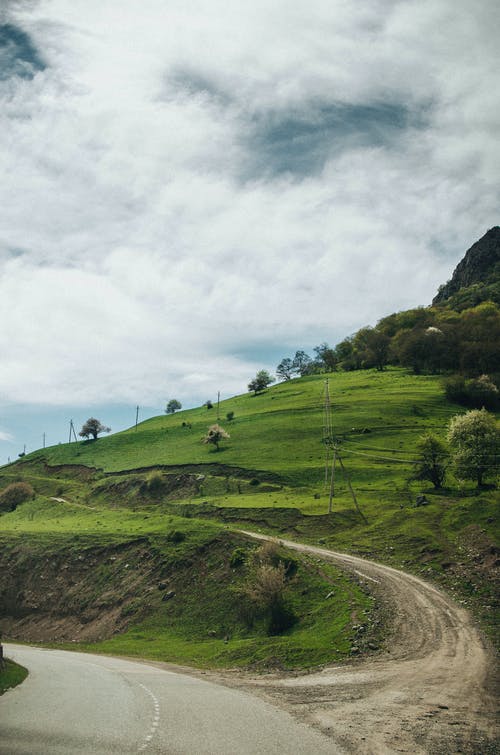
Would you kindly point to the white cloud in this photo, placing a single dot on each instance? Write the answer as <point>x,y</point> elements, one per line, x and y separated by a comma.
<point>144,242</point>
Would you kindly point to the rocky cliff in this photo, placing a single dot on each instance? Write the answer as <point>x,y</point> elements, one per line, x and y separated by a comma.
<point>481,264</point>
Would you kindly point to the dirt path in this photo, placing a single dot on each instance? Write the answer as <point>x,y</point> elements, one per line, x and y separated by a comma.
<point>429,691</point>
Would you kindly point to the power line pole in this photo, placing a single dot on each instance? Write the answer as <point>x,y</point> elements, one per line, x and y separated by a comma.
<point>44,440</point>
<point>347,479</point>
<point>136,416</point>
<point>332,481</point>
<point>218,403</point>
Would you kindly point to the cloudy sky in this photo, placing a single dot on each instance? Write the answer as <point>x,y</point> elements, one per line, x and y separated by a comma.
<point>193,189</point>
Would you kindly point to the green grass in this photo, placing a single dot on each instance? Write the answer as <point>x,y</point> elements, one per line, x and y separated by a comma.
<point>323,631</point>
<point>11,675</point>
<point>280,431</point>
<point>205,623</point>
<point>270,476</point>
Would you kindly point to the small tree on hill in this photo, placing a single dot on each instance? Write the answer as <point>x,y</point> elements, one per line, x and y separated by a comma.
<point>475,441</point>
<point>432,460</point>
<point>260,382</point>
<point>285,369</point>
<point>215,435</point>
<point>173,406</point>
<point>93,427</point>
<point>301,363</point>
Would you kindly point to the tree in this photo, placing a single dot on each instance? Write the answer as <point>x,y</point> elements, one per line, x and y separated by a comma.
<point>475,440</point>
<point>326,357</point>
<point>214,436</point>
<point>301,363</point>
<point>432,460</point>
<point>173,406</point>
<point>260,382</point>
<point>93,427</point>
<point>285,369</point>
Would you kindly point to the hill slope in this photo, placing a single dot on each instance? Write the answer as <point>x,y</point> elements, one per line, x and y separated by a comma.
<point>270,476</point>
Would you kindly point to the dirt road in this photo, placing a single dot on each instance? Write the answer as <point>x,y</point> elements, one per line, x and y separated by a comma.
<point>430,690</point>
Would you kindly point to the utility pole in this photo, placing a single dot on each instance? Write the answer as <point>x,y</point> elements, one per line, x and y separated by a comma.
<point>136,416</point>
<point>70,428</point>
<point>218,403</point>
<point>44,440</point>
<point>332,481</point>
<point>347,479</point>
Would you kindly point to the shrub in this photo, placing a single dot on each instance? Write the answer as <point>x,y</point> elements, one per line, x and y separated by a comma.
<point>432,460</point>
<point>266,591</point>
<point>238,558</point>
<point>230,416</point>
<point>476,393</point>
<point>14,494</point>
<point>155,483</point>
<point>482,392</point>
<point>176,536</point>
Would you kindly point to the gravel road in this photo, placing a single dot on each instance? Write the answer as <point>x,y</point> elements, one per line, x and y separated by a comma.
<point>430,690</point>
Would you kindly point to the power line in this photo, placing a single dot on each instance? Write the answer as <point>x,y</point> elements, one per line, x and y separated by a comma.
<point>401,461</point>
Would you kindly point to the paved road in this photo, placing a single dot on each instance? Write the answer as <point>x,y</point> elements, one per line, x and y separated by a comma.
<point>95,705</point>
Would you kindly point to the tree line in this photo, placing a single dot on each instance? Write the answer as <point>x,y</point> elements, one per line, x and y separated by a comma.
<point>432,340</point>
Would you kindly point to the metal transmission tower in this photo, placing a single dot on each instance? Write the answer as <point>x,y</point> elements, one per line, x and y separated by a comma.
<point>330,447</point>
<point>332,453</point>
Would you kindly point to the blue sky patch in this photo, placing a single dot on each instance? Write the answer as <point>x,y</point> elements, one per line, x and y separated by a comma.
<point>18,54</point>
<point>301,142</point>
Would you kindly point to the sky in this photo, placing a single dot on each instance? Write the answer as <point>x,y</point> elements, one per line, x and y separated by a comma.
<point>193,189</point>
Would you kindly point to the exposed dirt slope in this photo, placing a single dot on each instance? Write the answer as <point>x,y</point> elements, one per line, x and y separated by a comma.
<point>429,691</point>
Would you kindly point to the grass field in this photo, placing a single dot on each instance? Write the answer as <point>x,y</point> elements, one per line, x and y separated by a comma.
<point>11,675</point>
<point>270,476</point>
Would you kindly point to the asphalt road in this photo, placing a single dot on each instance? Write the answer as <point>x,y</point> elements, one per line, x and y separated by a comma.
<point>79,703</point>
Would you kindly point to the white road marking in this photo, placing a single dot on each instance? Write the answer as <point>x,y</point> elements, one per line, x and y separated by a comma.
<point>156,719</point>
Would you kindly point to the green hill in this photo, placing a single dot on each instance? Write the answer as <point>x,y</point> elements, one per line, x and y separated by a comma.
<point>172,504</point>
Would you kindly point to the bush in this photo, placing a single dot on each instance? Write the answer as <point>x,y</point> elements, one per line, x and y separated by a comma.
<point>176,536</point>
<point>14,494</point>
<point>265,590</point>
<point>238,558</point>
<point>454,389</point>
<point>475,393</point>
<point>230,416</point>
<point>155,484</point>
<point>432,460</point>
<point>482,392</point>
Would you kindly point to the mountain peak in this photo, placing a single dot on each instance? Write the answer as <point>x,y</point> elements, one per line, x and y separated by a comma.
<point>477,265</point>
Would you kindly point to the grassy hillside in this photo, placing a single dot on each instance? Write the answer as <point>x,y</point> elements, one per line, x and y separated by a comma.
<point>270,476</point>
<point>280,430</point>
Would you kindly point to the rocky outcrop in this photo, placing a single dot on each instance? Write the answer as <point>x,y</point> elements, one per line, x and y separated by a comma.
<point>478,266</point>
